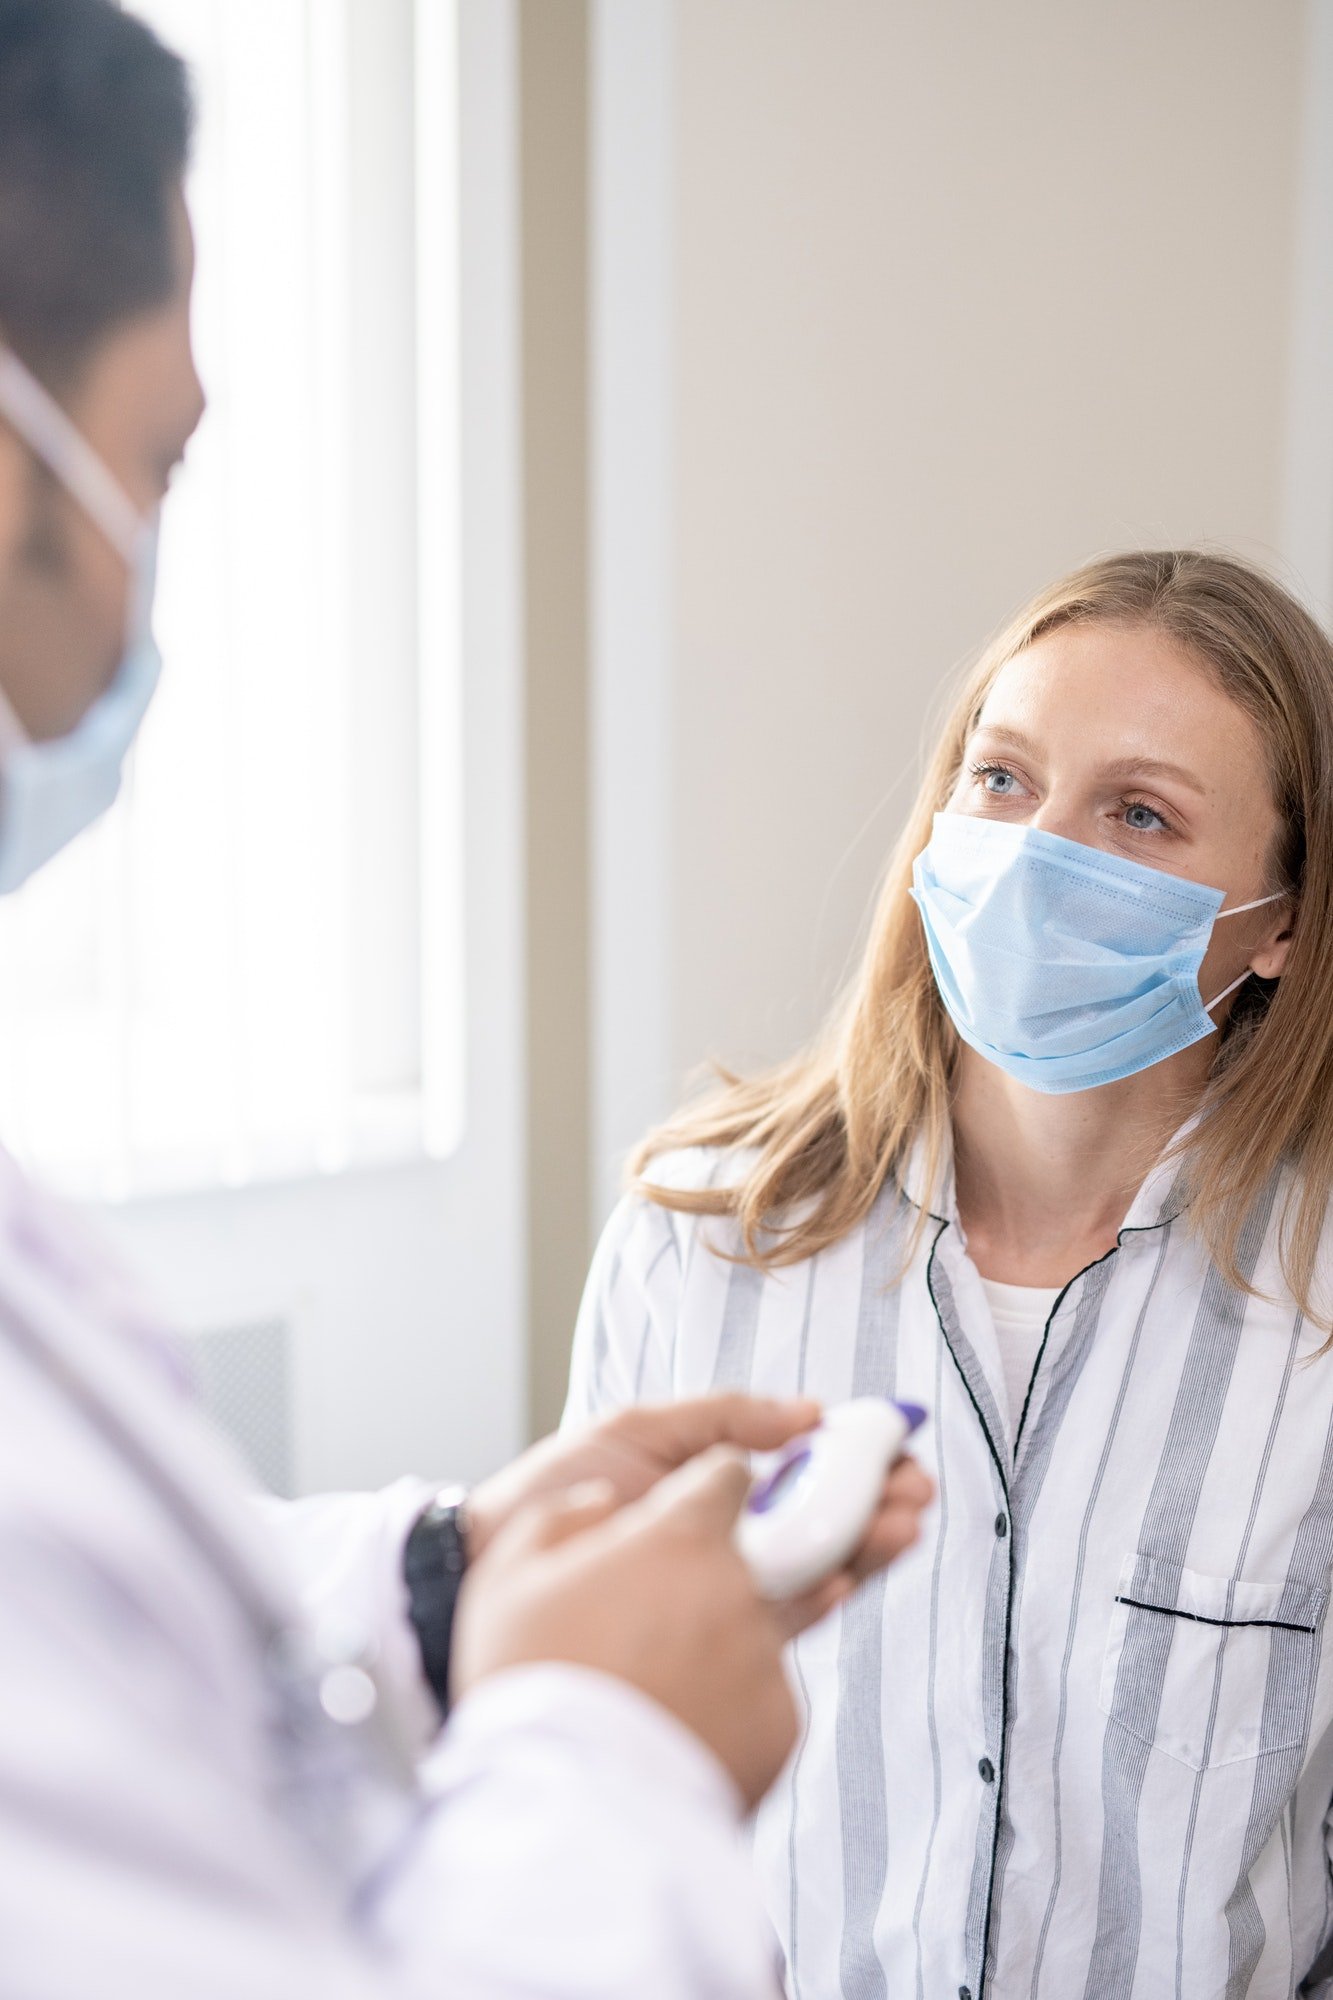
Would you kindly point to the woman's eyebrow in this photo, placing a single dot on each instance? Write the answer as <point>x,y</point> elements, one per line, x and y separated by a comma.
<point>1155,767</point>
<point>1015,738</point>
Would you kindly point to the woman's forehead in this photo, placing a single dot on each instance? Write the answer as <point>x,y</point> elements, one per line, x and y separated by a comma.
<point>1127,690</point>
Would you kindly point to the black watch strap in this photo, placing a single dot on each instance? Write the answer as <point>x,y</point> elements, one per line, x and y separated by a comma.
<point>434,1563</point>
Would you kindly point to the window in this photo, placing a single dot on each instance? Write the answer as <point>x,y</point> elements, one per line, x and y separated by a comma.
<point>252,968</point>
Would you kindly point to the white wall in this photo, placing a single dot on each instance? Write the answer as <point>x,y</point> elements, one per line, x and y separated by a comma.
<point>403,1298</point>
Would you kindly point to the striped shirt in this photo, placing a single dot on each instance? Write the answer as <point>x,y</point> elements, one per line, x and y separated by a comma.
<point>1079,1741</point>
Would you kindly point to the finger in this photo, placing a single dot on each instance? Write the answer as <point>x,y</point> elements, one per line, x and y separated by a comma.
<point>798,1614</point>
<point>890,1536</point>
<point>679,1431</point>
<point>908,1484</point>
<point>705,1495</point>
<point>557,1518</point>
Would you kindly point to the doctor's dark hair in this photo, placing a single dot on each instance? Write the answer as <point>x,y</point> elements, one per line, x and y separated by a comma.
<point>824,1132</point>
<point>95,126</point>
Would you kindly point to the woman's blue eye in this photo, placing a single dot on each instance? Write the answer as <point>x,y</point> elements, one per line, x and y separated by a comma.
<point>1142,819</point>
<point>997,783</point>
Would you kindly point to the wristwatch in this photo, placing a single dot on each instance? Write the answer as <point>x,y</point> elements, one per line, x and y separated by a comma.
<point>434,1564</point>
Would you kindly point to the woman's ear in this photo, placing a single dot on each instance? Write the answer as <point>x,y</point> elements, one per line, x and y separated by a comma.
<point>1271,959</point>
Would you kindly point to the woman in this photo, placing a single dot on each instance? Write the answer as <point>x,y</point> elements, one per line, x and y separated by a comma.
<point>1059,1170</point>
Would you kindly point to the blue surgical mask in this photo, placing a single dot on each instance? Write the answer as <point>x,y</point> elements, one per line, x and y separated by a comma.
<point>51,791</point>
<point>1065,966</point>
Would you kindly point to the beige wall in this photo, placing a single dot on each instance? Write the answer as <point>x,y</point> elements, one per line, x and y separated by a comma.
<point>956,295</point>
<point>965,294</point>
<point>553,169</point>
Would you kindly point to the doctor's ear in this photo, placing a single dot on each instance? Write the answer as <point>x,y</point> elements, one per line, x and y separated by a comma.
<point>1270,960</point>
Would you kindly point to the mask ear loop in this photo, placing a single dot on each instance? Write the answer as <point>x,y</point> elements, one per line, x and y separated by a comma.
<point>1248,973</point>
<point>49,433</point>
<point>1258,903</point>
<point>13,736</point>
<point>57,441</point>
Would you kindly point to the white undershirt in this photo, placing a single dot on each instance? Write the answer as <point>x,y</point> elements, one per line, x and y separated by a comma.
<point>1020,1313</point>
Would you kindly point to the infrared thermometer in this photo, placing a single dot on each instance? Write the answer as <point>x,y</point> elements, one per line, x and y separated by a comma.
<point>806,1513</point>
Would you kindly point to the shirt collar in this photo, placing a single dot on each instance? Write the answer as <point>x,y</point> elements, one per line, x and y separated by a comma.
<point>1163,1196</point>
<point>1160,1198</point>
<point>940,1200</point>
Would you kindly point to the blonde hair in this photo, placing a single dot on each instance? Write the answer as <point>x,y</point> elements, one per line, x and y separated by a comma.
<point>824,1131</point>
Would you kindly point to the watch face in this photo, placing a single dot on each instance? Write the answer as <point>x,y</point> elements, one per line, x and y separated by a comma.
<point>780,1485</point>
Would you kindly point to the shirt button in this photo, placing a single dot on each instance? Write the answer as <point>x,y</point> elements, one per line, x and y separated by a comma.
<point>987,1770</point>
<point>1001,1527</point>
<point>965,1993</point>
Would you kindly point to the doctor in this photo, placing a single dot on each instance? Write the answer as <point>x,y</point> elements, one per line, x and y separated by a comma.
<point>222,1766</point>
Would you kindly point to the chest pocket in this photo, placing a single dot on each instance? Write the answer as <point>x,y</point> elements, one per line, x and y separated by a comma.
<point>1211,1669</point>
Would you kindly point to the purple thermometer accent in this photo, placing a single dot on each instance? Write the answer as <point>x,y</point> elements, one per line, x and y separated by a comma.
<point>914,1414</point>
<point>772,1488</point>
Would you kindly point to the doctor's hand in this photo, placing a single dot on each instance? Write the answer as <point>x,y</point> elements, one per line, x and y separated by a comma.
<point>904,1497</point>
<point>631,1450</point>
<point>907,1492</point>
<point>652,1592</point>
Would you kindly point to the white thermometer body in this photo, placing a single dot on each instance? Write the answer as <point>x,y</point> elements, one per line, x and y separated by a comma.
<point>805,1516</point>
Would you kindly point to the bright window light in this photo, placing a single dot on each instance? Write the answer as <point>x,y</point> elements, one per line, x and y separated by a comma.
<point>252,967</point>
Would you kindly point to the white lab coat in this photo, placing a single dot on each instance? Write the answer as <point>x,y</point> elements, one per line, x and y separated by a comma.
<point>179,1819</point>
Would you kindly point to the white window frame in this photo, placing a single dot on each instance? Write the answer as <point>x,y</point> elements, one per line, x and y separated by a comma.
<point>252,969</point>
<point>407,1287</point>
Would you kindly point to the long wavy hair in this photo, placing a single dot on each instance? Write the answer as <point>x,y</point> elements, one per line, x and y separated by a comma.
<point>822,1132</point>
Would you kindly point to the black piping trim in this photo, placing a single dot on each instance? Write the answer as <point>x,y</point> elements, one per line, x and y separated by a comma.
<point>1228,1624</point>
<point>1001,1755</point>
<point>912,1202</point>
<point>1136,1229</point>
<point>939,1317</point>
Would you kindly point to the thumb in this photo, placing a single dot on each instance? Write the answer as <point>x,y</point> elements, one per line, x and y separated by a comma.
<point>706,1495</point>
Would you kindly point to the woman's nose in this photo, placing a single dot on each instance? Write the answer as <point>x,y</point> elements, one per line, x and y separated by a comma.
<point>1057,814</point>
